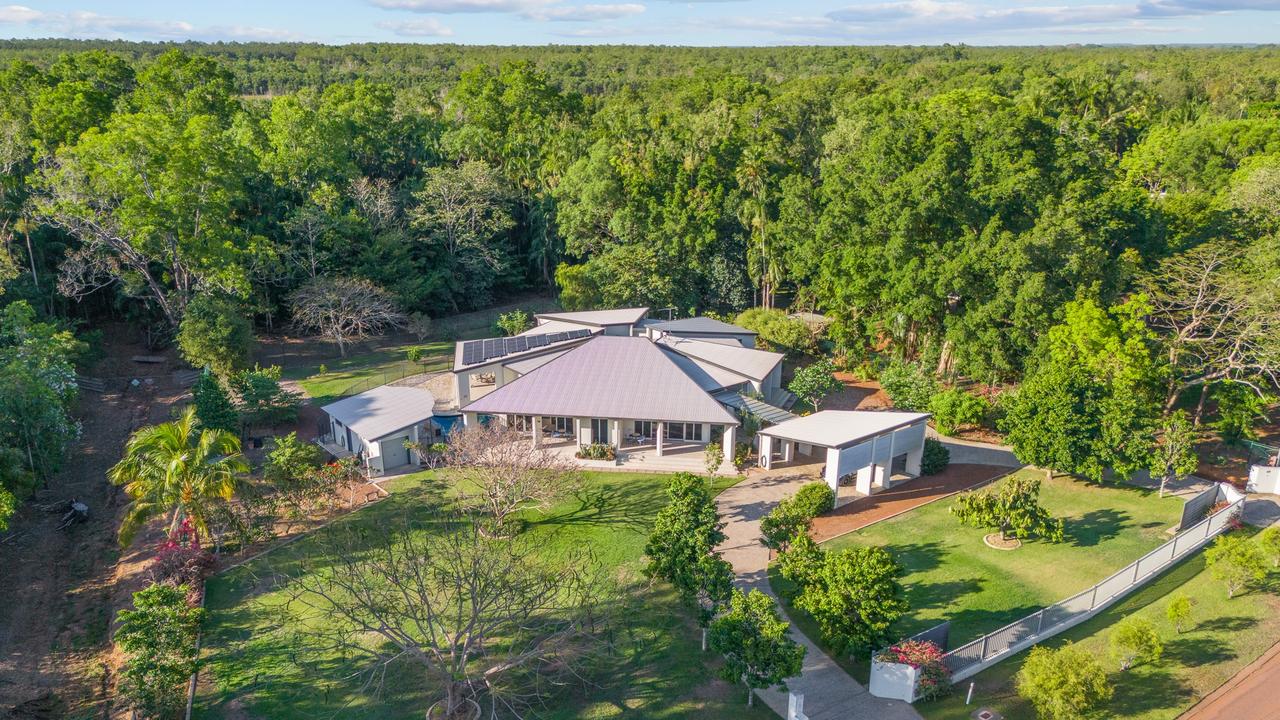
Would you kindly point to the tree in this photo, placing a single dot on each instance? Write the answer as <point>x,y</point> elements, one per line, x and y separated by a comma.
<point>291,461</point>
<point>681,548</point>
<point>216,332</point>
<point>261,398</point>
<point>1178,611</point>
<point>909,385</point>
<point>779,331</point>
<point>792,516</point>
<point>855,595</point>
<point>178,468</point>
<point>420,324</point>
<point>344,310</point>
<point>158,639</point>
<point>213,405</point>
<point>1238,410</point>
<point>1236,561</point>
<point>514,322</point>
<point>935,457</point>
<point>758,652</point>
<point>954,408</point>
<point>1063,684</point>
<point>814,382</point>
<point>1269,539</point>
<point>500,471</point>
<point>1174,453</point>
<point>1135,639</point>
<point>485,621</point>
<point>1013,508</point>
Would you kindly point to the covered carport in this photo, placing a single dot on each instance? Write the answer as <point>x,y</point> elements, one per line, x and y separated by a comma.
<point>873,446</point>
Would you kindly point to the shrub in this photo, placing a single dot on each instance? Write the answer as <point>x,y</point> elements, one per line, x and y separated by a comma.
<point>714,457</point>
<point>814,499</point>
<point>158,639</point>
<point>779,332</point>
<point>214,408</point>
<point>1135,639</point>
<point>802,560</point>
<point>908,385</point>
<point>413,354</point>
<point>742,455</point>
<point>514,322</point>
<point>1238,409</point>
<point>1063,684</point>
<point>954,408</point>
<point>936,457</point>
<point>263,402</point>
<point>180,560</point>
<point>597,451</point>
<point>1178,611</point>
<point>935,679</point>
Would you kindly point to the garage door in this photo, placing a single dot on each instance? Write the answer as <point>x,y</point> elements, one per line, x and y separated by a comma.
<point>394,453</point>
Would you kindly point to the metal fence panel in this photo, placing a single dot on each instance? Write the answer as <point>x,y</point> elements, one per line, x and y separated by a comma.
<point>1010,635</point>
<point>1115,584</point>
<point>1157,559</point>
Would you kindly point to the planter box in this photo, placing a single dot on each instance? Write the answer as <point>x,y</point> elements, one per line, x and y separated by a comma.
<point>893,680</point>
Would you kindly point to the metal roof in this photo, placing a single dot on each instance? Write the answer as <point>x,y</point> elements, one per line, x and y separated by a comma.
<point>761,409</point>
<point>700,324</point>
<point>552,326</point>
<point>469,353</point>
<point>599,318</point>
<point>527,365</point>
<point>842,428</point>
<point>708,376</point>
<point>383,410</point>
<point>755,364</point>
<point>607,377</point>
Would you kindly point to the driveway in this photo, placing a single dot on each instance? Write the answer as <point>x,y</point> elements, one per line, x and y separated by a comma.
<point>829,692</point>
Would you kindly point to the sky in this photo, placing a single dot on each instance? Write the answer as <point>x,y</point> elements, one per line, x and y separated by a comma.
<point>665,22</point>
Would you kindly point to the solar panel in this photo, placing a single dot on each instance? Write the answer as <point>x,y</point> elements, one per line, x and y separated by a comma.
<point>537,341</point>
<point>480,351</point>
<point>522,344</point>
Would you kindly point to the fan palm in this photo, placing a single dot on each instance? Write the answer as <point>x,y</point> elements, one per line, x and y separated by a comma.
<point>176,467</point>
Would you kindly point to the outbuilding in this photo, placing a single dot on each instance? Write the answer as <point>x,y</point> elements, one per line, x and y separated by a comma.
<point>872,446</point>
<point>376,425</point>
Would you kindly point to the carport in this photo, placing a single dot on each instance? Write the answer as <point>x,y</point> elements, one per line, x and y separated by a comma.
<point>871,445</point>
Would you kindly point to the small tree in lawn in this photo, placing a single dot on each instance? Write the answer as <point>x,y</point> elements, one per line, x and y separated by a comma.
<point>1013,508</point>
<point>1133,640</point>
<point>420,324</point>
<point>1236,561</point>
<point>1178,611</point>
<point>814,382</point>
<point>158,639</point>
<point>514,322</point>
<point>345,310</point>
<point>854,595</point>
<point>1173,455</point>
<point>682,547</point>
<point>1269,539</point>
<point>714,457</point>
<point>214,408</point>
<point>1064,684</point>
<point>753,639</point>
<point>500,472</point>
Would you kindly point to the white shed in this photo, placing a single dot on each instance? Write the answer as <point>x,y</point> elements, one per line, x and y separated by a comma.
<point>874,445</point>
<point>375,425</point>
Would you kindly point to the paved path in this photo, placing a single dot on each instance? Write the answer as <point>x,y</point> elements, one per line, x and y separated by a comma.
<point>829,692</point>
<point>972,452</point>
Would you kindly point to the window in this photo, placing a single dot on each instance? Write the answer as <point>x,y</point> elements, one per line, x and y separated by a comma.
<point>644,428</point>
<point>599,430</point>
<point>562,424</point>
<point>523,423</point>
<point>684,431</point>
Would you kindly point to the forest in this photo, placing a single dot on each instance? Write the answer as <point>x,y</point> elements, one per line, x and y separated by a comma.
<point>943,205</point>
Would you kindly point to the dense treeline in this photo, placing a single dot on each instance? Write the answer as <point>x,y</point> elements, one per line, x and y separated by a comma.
<point>943,204</point>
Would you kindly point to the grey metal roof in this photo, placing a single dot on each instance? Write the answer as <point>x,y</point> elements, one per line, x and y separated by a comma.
<point>842,428</point>
<point>700,324</point>
<point>599,318</point>
<point>607,377</point>
<point>755,364</point>
<point>383,410</point>
<point>708,376</point>
<point>761,409</point>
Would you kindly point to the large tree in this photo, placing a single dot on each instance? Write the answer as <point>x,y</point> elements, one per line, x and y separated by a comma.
<point>854,595</point>
<point>344,310</point>
<point>758,650</point>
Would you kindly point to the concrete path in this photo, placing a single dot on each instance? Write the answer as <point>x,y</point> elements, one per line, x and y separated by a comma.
<point>829,692</point>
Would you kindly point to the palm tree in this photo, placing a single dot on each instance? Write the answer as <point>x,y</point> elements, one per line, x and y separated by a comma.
<point>176,467</point>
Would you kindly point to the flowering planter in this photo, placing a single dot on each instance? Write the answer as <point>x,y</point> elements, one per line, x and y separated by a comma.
<point>894,680</point>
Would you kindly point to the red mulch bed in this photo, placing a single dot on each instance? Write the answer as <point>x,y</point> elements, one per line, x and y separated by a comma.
<point>914,493</point>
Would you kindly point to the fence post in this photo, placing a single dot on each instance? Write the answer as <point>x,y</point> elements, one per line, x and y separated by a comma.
<point>985,638</point>
<point>1040,621</point>
<point>1136,567</point>
<point>1093,599</point>
<point>1207,523</point>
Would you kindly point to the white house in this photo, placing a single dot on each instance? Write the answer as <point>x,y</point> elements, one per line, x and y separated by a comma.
<point>871,445</point>
<point>375,425</point>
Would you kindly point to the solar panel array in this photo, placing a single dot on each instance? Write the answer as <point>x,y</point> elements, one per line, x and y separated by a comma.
<point>475,352</point>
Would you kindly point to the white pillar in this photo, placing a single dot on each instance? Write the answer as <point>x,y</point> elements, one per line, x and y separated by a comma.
<point>462,387</point>
<point>616,430</point>
<point>888,471</point>
<point>914,456</point>
<point>832,474</point>
<point>470,419</point>
<point>766,451</point>
<point>537,430</point>
<point>865,477</point>
<point>728,443</point>
<point>788,450</point>
<point>661,430</point>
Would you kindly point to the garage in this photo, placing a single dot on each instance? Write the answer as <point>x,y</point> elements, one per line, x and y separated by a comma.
<point>374,426</point>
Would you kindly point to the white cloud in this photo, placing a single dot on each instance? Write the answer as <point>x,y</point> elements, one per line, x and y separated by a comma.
<point>18,15</point>
<point>586,13</point>
<point>85,24</point>
<point>426,27</point>
<point>450,7</point>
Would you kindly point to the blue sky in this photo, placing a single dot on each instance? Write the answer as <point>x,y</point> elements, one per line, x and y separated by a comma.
<point>704,22</point>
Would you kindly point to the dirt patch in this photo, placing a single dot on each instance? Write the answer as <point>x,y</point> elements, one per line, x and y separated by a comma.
<point>63,587</point>
<point>857,395</point>
<point>994,541</point>
<point>912,494</point>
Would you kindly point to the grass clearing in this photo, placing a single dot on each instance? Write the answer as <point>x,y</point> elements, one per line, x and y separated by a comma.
<point>1224,636</point>
<point>952,575</point>
<point>255,665</point>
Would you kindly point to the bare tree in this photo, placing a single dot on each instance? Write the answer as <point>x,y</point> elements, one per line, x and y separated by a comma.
<point>495,629</point>
<point>344,309</point>
<point>1218,310</point>
<point>501,471</point>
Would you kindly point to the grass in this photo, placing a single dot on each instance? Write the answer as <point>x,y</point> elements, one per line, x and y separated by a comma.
<point>257,666</point>
<point>952,575</point>
<point>1225,635</point>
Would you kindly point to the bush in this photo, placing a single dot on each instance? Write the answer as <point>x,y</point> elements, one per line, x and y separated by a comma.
<point>814,499</point>
<point>158,639</point>
<point>1238,409</point>
<point>801,561</point>
<point>935,679</point>
<point>954,408</point>
<point>714,457</point>
<point>597,451</point>
<point>216,333</point>
<point>742,455</point>
<point>263,402</point>
<point>792,516</point>
<point>1135,639</point>
<point>1063,684</point>
<point>779,332</point>
<point>214,408</point>
<point>413,354</point>
<point>514,322</point>
<point>908,385</point>
<point>935,458</point>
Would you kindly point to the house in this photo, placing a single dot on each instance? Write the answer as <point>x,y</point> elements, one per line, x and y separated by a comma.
<point>870,446</point>
<point>610,377</point>
<point>375,425</point>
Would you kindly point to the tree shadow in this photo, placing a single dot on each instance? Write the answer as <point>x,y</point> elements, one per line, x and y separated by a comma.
<point>928,596</point>
<point>603,505</point>
<point>917,557</point>
<point>1095,526</point>
<point>1147,688</point>
<point>1195,651</point>
<point>1235,623</point>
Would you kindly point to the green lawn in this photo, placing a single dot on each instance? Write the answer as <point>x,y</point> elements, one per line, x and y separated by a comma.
<point>254,661</point>
<point>360,372</point>
<point>952,575</point>
<point>1226,635</point>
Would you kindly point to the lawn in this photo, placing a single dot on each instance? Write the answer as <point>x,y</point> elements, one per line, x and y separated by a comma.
<point>1225,636</point>
<point>255,663</point>
<point>952,575</point>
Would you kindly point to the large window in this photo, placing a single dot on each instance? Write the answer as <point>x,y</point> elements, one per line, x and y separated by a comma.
<point>523,423</point>
<point>561,424</point>
<point>599,430</point>
<point>644,428</point>
<point>684,431</point>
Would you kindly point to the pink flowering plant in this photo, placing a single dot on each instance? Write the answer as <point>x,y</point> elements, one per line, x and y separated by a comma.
<point>935,679</point>
<point>180,559</point>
